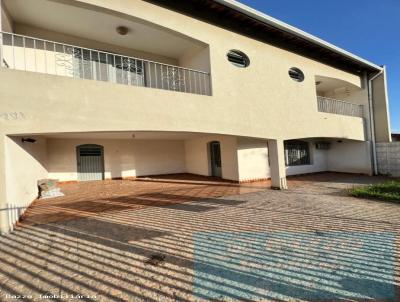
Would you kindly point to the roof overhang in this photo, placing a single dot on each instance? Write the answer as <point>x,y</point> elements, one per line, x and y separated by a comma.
<point>250,22</point>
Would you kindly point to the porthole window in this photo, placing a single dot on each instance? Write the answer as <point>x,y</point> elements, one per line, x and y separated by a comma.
<point>296,74</point>
<point>238,58</point>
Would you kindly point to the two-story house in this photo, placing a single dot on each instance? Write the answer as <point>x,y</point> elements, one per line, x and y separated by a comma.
<point>99,89</point>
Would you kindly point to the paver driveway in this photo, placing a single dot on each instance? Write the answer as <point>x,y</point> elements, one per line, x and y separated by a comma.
<point>155,240</point>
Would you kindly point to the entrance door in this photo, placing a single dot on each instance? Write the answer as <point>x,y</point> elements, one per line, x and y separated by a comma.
<point>90,159</point>
<point>215,157</point>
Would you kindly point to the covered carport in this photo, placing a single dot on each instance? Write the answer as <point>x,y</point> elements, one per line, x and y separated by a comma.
<point>114,156</point>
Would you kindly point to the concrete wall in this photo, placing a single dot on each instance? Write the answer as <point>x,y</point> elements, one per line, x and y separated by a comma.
<point>7,23</point>
<point>350,156</point>
<point>198,58</point>
<point>346,156</point>
<point>122,158</point>
<point>25,165</point>
<point>319,162</point>
<point>381,109</point>
<point>388,155</point>
<point>198,161</point>
<point>4,225</point>
<point>50,35</point>
<point>253,161</point>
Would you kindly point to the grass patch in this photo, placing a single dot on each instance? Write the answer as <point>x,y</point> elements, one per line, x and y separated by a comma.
<point>388,191</point>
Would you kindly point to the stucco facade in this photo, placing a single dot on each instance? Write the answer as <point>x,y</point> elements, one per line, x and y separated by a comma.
<point>249,111</point>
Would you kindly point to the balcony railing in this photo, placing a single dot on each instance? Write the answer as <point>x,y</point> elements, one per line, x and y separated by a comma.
<point>339,107</point>
<point>38,55</point>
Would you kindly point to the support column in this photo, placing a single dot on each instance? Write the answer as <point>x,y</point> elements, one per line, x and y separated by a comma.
<point>4,223</point>
<point>277,164</point>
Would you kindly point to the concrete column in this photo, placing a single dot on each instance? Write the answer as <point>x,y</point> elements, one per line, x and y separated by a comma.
<point>4,223</point>
<point>1,36</point>
<point>277,164</point>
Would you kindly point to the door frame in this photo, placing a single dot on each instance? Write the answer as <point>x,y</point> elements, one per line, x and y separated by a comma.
<point>211,159</point>
<point>101,160</point>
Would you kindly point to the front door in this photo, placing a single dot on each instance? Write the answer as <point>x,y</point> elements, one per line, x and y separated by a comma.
<point>215,157</point>
<point>90,161</point>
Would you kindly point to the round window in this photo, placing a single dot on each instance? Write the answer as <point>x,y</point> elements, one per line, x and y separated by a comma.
<point>238,58</point>
<point>296,74</point>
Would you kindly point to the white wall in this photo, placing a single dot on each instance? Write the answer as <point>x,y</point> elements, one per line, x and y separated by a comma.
<point>350,156</point>
<point>122,158</point>
<point>245,159</point>
<point>25,165</point>
<point>347,156</point>
<point>388,156</point>
<point>197,156</point>
<point>252,159</point>
<point>319,162</point>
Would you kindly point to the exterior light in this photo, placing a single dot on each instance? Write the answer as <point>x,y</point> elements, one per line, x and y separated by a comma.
<point>28,140</point>
<point>122,30</point>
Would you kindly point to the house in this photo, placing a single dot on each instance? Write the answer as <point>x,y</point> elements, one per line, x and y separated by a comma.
<point>96,89</point>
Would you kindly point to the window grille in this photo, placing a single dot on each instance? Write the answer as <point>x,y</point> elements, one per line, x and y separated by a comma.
<point>297,153</point>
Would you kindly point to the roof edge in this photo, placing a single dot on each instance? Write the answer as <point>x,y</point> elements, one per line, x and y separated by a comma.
<point>253,13</point>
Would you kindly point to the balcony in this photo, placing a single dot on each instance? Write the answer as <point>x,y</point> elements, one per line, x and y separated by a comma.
<point>26,53</point>
<point>334,106</point>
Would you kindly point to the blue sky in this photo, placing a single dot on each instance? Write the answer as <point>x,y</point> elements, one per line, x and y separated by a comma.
<point>367,28</point>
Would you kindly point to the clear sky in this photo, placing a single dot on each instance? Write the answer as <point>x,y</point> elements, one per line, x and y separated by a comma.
<point>367,28</point>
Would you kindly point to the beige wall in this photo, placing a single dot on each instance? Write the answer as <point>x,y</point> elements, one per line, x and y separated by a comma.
<point>355,96</point>
<point>4,221</point>
<point>198,161</point>
<point>252,159</point>
<point>198,58</point>
<point>350,156</point>
<point>122,158</point>
<point>381,109</point>
<point>7,23</point>
<point>46,34</point>
<point>25,165</point>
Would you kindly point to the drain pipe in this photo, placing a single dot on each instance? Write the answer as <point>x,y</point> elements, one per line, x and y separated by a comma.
<point>372,121</point>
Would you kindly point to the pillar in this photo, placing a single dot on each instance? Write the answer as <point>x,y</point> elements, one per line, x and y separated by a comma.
<point>4,223</point>
<point>277,164</point>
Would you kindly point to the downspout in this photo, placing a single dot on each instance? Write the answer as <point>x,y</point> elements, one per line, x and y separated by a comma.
<point>372,121</point>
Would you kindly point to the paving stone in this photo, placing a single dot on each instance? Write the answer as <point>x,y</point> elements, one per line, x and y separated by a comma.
<point>95,240</point>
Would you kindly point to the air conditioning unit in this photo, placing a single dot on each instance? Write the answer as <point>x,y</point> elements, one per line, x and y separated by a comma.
<point>322,145</point>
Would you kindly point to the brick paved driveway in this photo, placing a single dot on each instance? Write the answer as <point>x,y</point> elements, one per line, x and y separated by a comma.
<point>179,240</point>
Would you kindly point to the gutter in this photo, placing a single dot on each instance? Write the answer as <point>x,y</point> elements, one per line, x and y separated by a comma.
<point>372,120</point>
<point>255,14</point>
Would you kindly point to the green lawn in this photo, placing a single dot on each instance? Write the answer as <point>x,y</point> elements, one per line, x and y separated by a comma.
<point>389,191</point>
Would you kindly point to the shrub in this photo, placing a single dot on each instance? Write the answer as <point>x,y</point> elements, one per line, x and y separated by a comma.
<point>389,191</point>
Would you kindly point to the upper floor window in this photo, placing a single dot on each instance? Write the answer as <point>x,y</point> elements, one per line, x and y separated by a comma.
<point>238,58</point>
<point>297,153</point>
<point>296,74</point>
